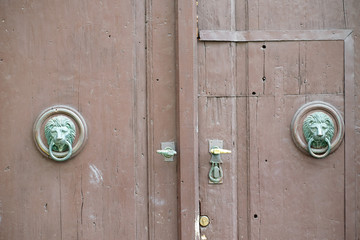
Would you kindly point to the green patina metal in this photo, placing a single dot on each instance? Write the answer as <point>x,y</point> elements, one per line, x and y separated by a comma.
<point>318,129</point>
<point>168,152</point>
<point>60,134</point>
<point>216,173</point>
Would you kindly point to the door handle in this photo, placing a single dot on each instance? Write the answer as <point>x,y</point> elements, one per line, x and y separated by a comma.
<point>216,173</point>
<point>215,150</point>
<point>168,151</point>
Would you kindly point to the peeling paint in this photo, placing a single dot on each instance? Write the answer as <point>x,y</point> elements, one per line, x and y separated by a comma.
<point>95,175</point>
<point>157,202</point>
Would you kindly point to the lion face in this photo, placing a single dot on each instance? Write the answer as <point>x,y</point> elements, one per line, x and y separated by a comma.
<point>59,130</point>
<point>319,127</point>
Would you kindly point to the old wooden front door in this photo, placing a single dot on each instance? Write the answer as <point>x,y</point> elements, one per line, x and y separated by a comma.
<point>113,64</point>
<point>139,76</point>
<point>250,85</point>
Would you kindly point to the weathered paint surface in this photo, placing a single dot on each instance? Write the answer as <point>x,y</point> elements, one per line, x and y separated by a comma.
<point>115,62</point>
<point>248,93</point>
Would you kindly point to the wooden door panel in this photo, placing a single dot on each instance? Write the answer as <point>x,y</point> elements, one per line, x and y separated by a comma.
<point>296,14</point>
<point>308,67</point>
<point>222,63</point>
<point>283,193</point>
<point>298,195</point>
<point>93,57</point>
<point>225,204</point>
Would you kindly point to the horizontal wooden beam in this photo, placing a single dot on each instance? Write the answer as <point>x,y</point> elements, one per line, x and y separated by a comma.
<point>273,36</point>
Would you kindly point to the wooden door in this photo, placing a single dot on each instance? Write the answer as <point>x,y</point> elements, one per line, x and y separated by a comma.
<point>252,78</point>
<point>113,64</point>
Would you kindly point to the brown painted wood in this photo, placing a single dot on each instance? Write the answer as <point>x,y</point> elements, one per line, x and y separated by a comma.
<point>296,15</point>
<point>94,57</point>
<point>350,147</point>
<point>293,64</point>
<point>188,193</point>
<point>161,84</point>
<point>273,36</point>
<point>115,62</point>
<point>352,20</point>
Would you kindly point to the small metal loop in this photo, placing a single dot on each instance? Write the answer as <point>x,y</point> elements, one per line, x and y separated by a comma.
<point>213,179</point>
<point>69,152</point>
<point>316,155</point>
<point>74,115</point>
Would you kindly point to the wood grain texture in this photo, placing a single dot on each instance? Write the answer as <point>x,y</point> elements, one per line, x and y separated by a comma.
<point>161,83</point>
<point>306,71</point>
<point>292,15</point>
<point>273,35</point>
<point>89,56</point>
<point>187,121</point>
<point>352,20</point>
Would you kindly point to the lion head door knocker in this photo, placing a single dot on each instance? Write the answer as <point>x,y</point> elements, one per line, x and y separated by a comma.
<point>322,129</point>
<point>318,130</point>
<point>60,132</point>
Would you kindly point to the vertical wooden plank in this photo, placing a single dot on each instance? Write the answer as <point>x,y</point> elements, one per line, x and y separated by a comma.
<point>241,15</point>
<point>352,20</point>
<point>162,121</point>
<point>187,121</point>
<point>240,78</point>
<point>253,171</point>
<point>218,119</point>
<point>255,69</point>
<point>350,169</point>
<point>140,123</point>
<point>242,146</point>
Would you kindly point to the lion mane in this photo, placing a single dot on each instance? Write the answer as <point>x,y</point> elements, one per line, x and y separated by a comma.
<point>316,119</point>
<point>58,122</point>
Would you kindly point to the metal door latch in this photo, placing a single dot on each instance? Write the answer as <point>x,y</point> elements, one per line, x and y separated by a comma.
<point>216,173</point>
<point>168,151</point>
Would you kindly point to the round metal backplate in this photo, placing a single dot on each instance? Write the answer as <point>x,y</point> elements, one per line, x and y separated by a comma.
<point>307,109</point>
<point>64,110</point>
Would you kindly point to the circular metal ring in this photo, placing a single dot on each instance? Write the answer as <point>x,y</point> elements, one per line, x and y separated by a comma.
<point>60,159</point>
<point>213,179</point>
<point>316,155</point>
<point>68,111</point>
<point>306,110</point>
